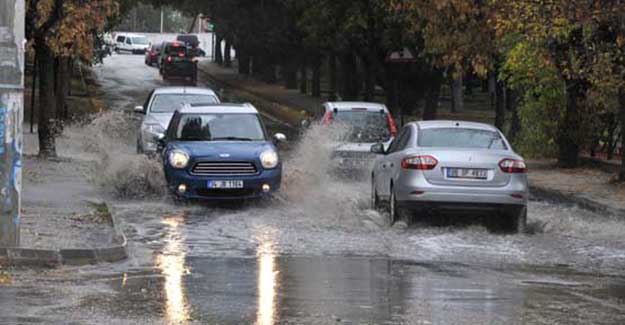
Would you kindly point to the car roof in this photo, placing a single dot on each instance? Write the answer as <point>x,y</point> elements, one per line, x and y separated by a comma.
<point>184,90</point>
<point>130,35</point>
<point>342,106</point>
<point>226,108</point>
<point>435,124</point>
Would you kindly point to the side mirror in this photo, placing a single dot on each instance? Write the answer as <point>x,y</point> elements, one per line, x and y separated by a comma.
<point>305,124</point>
<point>378,149</point>
<point>139,109</point>
<point>279,138</point>
<point>160,143</point>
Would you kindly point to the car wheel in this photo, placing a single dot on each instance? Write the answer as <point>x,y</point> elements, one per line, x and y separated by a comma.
<point>375,200</point>
<point>392,209</point>
<point>514,221</point>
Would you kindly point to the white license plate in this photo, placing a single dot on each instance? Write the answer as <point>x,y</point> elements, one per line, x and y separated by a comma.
<point>225,184</point>
<point>467,173</point>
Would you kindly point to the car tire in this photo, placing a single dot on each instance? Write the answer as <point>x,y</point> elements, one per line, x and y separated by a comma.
<point>514,221</point>
<point>375,199</point>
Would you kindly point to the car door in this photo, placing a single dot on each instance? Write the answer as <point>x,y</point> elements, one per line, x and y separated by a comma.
<point>128,45</point>
<point>384,165</point>
<point>398,156</point>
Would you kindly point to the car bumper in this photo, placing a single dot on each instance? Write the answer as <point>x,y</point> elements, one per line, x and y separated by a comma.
<point>197,186</point>
<point>418,190</point>
<point>189,71</point>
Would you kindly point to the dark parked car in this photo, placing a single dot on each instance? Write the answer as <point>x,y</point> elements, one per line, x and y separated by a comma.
<point>152,54</point>
<point>177,63</point>
<point>220,152</point>
<point>188,39</point>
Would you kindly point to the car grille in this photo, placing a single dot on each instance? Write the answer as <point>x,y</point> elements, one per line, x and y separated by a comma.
<point>224,169</point>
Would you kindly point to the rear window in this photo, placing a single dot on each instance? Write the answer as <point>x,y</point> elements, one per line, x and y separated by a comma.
<point>364,126</point>
<point>140,40</point>
<point>461,138</point>
<point>175,49</point>
<point>167,103</point>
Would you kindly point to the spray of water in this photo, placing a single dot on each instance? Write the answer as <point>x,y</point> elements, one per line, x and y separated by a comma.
<point>310,185</point>
<point>110,140</point>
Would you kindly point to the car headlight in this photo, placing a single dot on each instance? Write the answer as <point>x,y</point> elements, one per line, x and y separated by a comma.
<point>178,159</point>
<point>269,159</point>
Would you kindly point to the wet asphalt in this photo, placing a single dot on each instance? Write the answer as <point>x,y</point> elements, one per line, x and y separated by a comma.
<point>318,255</point>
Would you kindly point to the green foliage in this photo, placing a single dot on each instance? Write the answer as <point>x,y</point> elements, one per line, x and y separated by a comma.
<point>526,70</point>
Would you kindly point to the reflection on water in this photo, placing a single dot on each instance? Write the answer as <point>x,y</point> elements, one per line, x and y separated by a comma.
<point>171,263</point>
<point>267,282</point>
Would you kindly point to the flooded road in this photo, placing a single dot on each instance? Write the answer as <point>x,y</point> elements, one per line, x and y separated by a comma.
<point>316,254</point>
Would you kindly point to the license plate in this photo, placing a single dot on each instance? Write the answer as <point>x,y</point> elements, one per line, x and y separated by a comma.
<point>467,173</point>
<point>225,184</point>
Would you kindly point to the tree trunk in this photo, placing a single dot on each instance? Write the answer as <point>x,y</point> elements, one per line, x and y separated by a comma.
<point>500,110</point>
<point>33,93</point>
<point>349,78</point>
<point>432,96</point>
<point>47,103</point>
<point>60,91</point>
<point>458,95</point>
<point>316,77</point>
<point>289,70</point>
<point>303,77</point>
<point>369,82</point>
<point>218,55</point>
<point>244,62</point>
<point>513,105</point>
<point>621,100</point>
<point>227,56</point>
<point>333,73</point>
<point>568,146</point>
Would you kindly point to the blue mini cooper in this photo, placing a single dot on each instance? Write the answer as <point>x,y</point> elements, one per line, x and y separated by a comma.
<point>220,152</point>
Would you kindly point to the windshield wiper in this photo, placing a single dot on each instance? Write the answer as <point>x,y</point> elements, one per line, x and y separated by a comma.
<point>231,139</point>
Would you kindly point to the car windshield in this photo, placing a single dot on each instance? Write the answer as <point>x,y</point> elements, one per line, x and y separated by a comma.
<point>140,40</point>
<point>168,103</point>
<point>364,127</point>
<point>461,138</point>
<point>220,127</point>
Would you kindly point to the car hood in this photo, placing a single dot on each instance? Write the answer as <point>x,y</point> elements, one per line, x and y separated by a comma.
<point>161,119</point>
<point>223,150</point>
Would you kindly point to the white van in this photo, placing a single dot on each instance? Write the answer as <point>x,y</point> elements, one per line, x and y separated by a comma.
<point>134,43</point>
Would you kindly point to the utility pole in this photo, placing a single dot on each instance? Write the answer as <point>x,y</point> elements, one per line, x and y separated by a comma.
<point>162,19</point>
<point>12,15</point>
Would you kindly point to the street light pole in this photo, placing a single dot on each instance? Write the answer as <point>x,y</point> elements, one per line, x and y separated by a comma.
<point>162,19</point>
<point>12,15</point>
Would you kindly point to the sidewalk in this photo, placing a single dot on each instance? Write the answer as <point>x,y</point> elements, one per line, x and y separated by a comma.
<point>63,220</point>
<point>589,188</point>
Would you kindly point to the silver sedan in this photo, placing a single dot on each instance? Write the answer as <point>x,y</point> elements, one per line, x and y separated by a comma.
<point>437,167</point>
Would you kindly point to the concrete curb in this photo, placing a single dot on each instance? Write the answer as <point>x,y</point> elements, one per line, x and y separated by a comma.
<point>52,258</point>
<point>554,195</point>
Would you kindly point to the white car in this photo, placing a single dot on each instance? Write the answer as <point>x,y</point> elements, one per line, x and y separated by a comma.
<point>159,108</point>
<point>365,124</point>
<point>133,43</point>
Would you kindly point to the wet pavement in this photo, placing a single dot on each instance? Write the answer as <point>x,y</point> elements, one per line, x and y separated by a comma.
<point>314,255</point>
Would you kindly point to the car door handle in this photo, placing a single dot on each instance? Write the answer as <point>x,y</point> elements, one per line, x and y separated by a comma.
<point>392,165</point>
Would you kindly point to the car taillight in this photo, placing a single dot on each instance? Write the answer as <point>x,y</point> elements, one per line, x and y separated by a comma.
<point>169,58</point>
<point>513,166</point>
<point>181,55</point>
<point>419,162</point>
<point>391,124</point>
<point>327,118</point>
